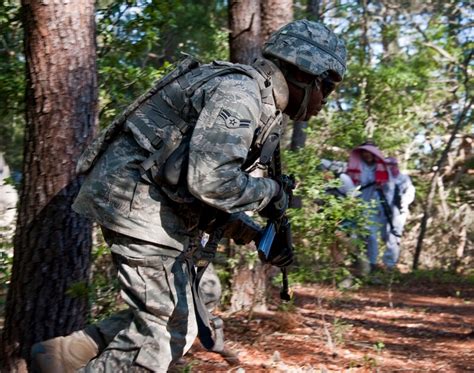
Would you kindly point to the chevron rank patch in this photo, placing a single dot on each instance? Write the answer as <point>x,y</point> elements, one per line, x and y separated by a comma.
<point>233,122</point>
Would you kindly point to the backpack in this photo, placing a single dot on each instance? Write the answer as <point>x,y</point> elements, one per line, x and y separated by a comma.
<point>99,145</point>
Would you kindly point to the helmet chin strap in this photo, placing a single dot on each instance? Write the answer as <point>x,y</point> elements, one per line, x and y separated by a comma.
<point>307,88</point>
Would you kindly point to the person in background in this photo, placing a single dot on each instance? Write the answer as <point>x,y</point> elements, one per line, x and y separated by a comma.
<point>400,194</point>
<point>368,171</point>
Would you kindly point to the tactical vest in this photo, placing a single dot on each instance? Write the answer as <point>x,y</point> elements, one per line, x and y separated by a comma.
<point>168,143</point>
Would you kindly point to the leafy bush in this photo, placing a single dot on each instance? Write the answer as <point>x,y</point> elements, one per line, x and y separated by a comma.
<point>326,230</point>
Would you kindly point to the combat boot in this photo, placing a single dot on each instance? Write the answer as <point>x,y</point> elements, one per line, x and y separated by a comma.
<point>64,354</point>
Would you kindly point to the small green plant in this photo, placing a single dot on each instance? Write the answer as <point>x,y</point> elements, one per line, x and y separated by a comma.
<point>369,362</point>
<point>188,367</point>
<point>287,306</point>
<point>354,364</point>
<point>232,262</point>
<point>10,181</point>
<point>340,328</point>
<point>6,263</point>
<point>379,347</point>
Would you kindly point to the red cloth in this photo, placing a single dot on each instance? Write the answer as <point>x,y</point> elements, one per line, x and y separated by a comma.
<point>354,165</point>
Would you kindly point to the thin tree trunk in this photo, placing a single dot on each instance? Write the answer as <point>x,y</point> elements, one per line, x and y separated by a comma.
<point>48,292</point>
<point>364,60</point>
<point>389,32</point>
<point>251,22</point>
<point>464,212</point>
<point>442,198</point>
<point>429,201</point>
<point>313,8</point>
<point>245,47</point>
<point>298,136</point>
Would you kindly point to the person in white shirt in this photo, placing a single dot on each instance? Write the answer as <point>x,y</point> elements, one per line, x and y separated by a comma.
<point>368,171</point>
<point>400,194</point>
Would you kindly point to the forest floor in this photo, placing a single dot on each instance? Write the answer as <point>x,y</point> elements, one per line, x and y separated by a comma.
<point>408,323</point>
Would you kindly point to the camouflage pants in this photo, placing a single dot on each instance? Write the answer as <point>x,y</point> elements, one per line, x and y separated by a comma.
<point>161,324</point>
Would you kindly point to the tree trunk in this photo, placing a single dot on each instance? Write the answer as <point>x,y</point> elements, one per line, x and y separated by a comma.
<point>364,60</point>
<point>313,8</point>
<point>274,15</point>
<point>429,200</point>
<point>245,47</point>
<point>245,26</point>
<point>48,292</point>
<point>251,22</point>
<point>463,118</point>
<point>298,136</point>
<point>389,31</point>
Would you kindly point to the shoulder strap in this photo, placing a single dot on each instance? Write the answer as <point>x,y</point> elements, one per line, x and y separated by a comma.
<point>262,75</point>
<point>216,69</point>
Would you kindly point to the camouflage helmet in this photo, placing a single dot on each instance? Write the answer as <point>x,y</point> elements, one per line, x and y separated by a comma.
<point>311,46</point>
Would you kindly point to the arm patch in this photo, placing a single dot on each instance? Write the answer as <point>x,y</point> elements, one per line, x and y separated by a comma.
<point>231,121</point>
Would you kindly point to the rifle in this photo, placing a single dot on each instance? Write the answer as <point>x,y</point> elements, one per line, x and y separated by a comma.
<point>278,227</point>
<point>387,211</point>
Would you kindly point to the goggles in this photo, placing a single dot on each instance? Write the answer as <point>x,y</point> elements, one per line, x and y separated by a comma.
<point>322,82</point>
<point>326,84</point>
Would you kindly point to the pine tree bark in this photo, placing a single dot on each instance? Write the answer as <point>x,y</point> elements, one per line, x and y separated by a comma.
<point>245,26</point>
<point>245,47</point>
<point>48,293</point>
<point>251,22</point>
<point>298,136</point>
<point>274,15</point>
<point>313,8</point>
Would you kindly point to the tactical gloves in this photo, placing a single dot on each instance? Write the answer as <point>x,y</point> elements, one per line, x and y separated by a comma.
<point>277,206</point>
<point>281,250</point>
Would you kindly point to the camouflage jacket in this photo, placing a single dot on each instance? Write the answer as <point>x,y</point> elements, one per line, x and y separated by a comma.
<point>229,115</point>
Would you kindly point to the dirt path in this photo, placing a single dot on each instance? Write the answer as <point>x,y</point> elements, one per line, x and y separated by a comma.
<point>416,327</point>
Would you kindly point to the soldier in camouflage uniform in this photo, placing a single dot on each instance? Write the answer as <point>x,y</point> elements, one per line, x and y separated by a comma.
<point>174,165</point>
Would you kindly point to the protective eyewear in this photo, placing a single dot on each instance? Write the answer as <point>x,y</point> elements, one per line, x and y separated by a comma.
<point>327,84</point>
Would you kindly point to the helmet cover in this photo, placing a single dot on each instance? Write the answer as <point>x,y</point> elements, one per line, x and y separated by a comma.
<point>310,46</point>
